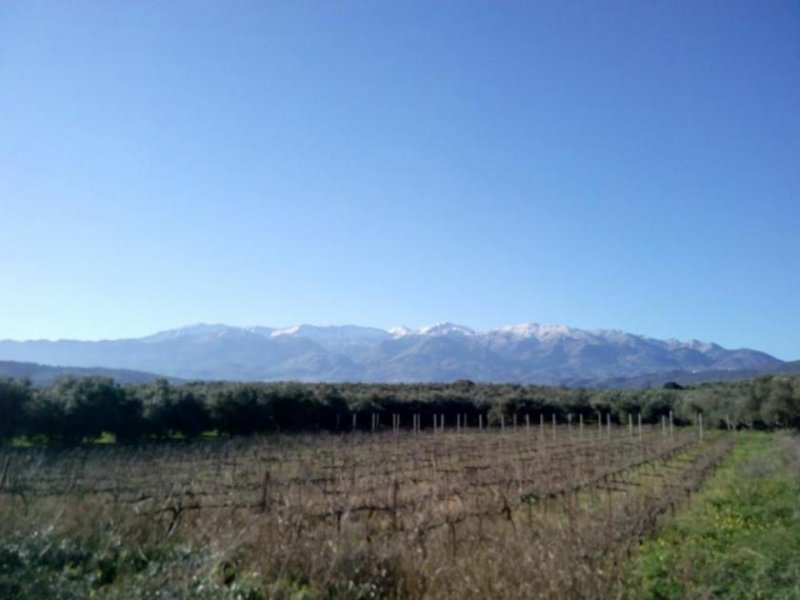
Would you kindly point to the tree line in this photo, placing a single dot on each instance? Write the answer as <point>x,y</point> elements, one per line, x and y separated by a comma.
<point>75,410</point>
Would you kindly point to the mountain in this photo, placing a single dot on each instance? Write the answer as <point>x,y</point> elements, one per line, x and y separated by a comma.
<point>45,375</point>
<point>525,353</point>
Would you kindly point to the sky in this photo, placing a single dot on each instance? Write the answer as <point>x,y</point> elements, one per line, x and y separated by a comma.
<point>625,165</point>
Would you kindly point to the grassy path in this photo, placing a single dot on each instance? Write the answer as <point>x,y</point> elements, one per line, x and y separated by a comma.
<point>741,536</point>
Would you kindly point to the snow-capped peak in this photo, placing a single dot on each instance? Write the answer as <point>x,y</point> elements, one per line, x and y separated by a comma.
<point>400,331</point>
<point>446,329</point>
<point>537,330</point>
<point>293,330</point>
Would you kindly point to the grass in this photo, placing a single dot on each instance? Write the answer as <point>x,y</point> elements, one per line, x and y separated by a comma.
<point>741,536</point>
<point>467,515</point>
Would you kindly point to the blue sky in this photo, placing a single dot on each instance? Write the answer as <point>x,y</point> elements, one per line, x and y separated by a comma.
<point>629,165</point>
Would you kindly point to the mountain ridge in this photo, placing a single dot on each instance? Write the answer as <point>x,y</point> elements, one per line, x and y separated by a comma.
<point>521,353</point>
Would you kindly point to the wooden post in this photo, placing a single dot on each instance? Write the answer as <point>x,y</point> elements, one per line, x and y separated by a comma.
<point>701,426</point>
<point>608,423</point>
<point>554,425</point>
<point>528,423</point>
<point>264,504</point>
<point>569,424</point>
<point>502,423</point>
<point>639,418</point>
<point>541,426</point>
<point>663,425</point>
<point>515,421</point>
<point>480,422</point>
<point>671,425</point>
<point>355,421</point>
<point>580,425</point>
<point>599,424</point>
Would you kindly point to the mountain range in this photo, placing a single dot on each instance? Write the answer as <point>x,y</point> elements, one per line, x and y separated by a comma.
<point>525,353</point>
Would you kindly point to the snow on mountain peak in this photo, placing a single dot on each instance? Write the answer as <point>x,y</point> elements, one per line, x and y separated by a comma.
<point>537,330</point>
<point>293,330</point>
<point>445,329</point>
<point>400,331</point>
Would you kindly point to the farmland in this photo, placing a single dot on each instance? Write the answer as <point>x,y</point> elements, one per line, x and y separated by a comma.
<point>522,510</point>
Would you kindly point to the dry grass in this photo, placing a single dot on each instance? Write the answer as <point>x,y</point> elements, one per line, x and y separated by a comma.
<point>524,513</point>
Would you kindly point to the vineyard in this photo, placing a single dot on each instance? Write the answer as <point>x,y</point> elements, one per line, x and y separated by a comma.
<point>523,511</point>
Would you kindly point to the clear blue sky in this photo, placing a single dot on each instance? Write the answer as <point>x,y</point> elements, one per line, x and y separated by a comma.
<point>630,165</point>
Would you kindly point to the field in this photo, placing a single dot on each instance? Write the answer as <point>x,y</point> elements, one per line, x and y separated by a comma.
<point>534,511</point>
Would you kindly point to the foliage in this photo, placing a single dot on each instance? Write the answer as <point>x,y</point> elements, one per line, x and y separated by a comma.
<point>74,410</point>
<point>741,539</point>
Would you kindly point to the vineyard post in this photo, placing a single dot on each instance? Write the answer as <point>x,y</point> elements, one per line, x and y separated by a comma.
<point>630,425</point>
<point>569,424</point>
<point>663,425</point>
<point>599,424</point>
<point>671,425</point>
<point>608,423</point>
<point>639,419</point>
<point>458,422</point>
<point>541,426</point>
<point>515,421</point>
<point>554,425</point>
<point>4,476</point>
<point>528,423</point>
<point>480,422</point>
<point>355,423</point>
<point>502,423</point>
<point>580,417</point>
<point>263,505</point>
<point>701,426</point>
<point>373,422</point>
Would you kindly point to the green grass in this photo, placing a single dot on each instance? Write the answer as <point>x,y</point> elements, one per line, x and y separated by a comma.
<point>741,536</point>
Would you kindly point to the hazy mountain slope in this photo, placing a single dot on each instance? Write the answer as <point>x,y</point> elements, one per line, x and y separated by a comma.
<point>45,374</point>
<point>526,353</point>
